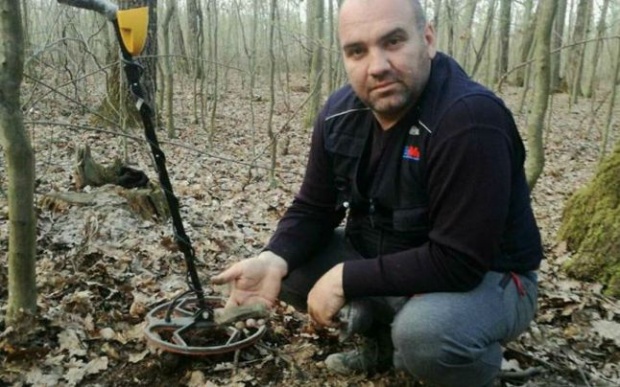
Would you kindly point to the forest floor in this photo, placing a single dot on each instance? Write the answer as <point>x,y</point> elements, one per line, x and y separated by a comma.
<point>100,268</point>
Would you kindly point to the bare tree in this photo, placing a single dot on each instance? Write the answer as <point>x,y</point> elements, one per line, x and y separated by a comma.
<point>316,70</point>
<point>504,38</point>
<point>600,30</point>
<point>612,101</point>
<point>575,59</point>
<point>19,157</point>
<point>179,41</point>
<point>331,51</point>
<point>214,58</point>
<point>556,42</point>
<point>25,24</point>
<point>169,74</point>
<point>436,11</point>
<point>272,95</point>
<point>450,22</point>
<point>195,36</point>
<point>468,33</point>
<point>536,158</point>
<point>488,27</point>
<point>528,27</point>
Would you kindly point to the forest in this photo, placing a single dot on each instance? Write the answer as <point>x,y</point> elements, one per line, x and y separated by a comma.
<point>95,252</point>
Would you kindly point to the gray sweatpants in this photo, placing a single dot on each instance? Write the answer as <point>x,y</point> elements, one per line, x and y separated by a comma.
<point>445,339</point>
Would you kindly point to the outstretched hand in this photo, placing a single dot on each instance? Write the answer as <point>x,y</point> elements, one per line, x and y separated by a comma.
<point>254,280</point>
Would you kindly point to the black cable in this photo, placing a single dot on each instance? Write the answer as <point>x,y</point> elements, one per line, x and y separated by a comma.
<point>133,71</point>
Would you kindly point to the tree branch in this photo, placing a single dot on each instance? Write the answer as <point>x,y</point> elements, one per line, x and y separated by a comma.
<point>104,7</point>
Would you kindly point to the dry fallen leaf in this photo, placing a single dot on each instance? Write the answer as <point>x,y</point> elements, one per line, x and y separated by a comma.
<point>68,340</point>
<point>608,329</point>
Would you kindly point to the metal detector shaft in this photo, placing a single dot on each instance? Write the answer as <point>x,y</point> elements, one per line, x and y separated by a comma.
<point>133,71</point>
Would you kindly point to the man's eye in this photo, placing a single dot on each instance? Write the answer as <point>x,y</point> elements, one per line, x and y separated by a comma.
<point>355,52</point>
<point>394,41</point>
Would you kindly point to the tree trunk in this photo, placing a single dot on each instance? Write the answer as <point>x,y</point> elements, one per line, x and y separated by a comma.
<point>450,22</point>
<point>468,33</point>
<point>600,30</point>
<point>118,103</point>
<point>149,55</point>
<point>535,151</point>
<point>171,5</point>
<point>19,156</point>
<point>485,37</point>
<point>529,23</point>
<point>504,39</point>
<point>316,70</point>
<point>556,42</point>
<point>194,39</point>
<point>272,95</point>
<point>575,61</point>
<point>310,32</point>
<point>250,54</point>
<point>213,58</point>
<point>25,26</point>
<point>179,42</point>
<point>436,10</point>
<point>195,45</point>
<point>612,102</point>
<point>331,53</point>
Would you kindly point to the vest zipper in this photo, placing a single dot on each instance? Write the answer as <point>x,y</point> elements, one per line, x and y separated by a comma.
<point>371,212</point>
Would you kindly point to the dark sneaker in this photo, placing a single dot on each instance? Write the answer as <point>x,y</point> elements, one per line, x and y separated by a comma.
<point>373,354</point>
<point>363,359</point>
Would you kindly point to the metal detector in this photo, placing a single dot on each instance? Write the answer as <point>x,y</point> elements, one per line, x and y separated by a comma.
<point>189,323</point>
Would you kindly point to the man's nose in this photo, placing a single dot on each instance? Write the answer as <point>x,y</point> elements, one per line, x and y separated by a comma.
<point>379,63</point>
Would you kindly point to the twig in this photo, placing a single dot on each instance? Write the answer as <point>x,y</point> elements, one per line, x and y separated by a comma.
<point>584,377</point>
<point>235,363</point>
<point>534,358</point>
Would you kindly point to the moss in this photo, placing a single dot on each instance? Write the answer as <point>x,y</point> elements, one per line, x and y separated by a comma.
<point>591,228</point>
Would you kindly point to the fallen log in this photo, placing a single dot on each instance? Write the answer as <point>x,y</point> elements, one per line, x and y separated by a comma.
<point>143,197</point>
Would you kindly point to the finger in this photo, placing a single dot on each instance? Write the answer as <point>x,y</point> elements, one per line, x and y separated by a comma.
<point>314,316</point>
<point>256,299</point>
<point>227,275</point>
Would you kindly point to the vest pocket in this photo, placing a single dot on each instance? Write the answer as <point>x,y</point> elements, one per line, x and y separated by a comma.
<point>411,220</point>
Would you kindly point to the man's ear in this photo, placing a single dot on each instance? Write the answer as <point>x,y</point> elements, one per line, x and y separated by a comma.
<point>429,38</point>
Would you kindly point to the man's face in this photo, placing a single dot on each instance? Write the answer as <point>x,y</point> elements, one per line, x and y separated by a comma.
<point>386,57</point>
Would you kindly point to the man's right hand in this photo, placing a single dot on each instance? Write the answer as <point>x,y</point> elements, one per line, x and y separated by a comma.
<point>254,280</point>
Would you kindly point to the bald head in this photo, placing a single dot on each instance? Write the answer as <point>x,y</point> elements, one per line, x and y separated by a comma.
<point>418,15</point>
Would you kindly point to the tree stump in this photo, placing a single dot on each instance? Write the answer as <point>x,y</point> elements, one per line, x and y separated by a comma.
<point>88,172</point>
<point>148,201</point>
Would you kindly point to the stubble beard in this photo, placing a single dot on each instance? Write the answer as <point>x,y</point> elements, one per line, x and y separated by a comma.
<point>393,103</point>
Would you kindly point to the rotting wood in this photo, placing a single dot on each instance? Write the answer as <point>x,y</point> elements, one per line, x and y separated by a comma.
<point>87,172</point>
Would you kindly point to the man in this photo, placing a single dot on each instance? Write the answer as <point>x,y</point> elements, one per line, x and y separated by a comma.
<point>440,246</point>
